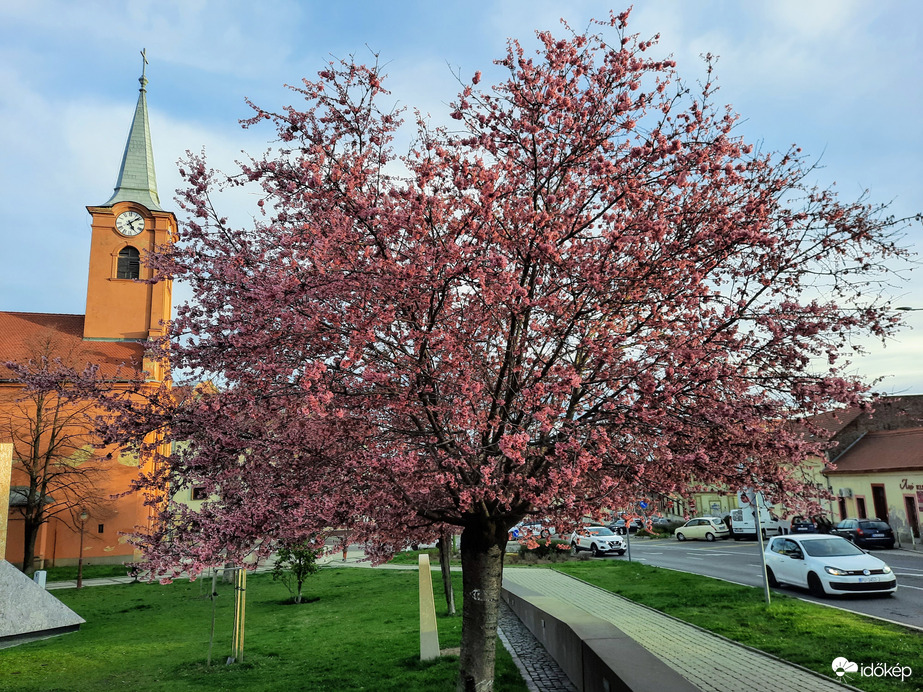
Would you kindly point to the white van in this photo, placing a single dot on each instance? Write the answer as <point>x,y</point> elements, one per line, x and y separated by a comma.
<point>743,523</point>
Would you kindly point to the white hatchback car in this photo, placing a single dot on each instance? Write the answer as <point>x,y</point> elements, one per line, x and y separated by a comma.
<point>826,565</point>
<point>598,539</point>
<point>709,528</point>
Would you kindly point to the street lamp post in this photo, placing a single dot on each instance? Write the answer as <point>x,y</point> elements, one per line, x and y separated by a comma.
<point>83,520</point>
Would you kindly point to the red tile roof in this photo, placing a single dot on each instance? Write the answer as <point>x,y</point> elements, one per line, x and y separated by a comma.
<point>834,421</point>
<point>884,450</point>
<point>23,333</point>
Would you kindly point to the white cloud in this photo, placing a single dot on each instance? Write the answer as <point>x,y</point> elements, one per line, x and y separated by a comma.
<point>840,77</point>
<point>817,20</point>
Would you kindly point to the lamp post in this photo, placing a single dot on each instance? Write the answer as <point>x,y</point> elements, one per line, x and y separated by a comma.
<point>84,515</point>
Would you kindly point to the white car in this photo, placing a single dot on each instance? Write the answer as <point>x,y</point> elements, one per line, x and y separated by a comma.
<point>531,529</point>
<point>826,565</point>
<point>708,528</point>
<point>598,539</point>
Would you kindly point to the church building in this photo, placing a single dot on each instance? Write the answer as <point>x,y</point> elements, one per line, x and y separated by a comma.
<point>123,311</point>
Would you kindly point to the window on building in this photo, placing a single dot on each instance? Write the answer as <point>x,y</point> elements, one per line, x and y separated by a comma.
<point>860,507</point>
<point>129,266</point>
<point>101,528</point>
<point>841,506</point>
<point>913,518</point>
<point>879,501</point>
<point>199,494</point>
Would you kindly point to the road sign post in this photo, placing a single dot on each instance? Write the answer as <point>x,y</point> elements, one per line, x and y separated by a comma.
<point>759,537</point>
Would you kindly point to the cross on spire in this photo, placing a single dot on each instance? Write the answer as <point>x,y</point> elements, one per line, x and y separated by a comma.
<point>144,64</point>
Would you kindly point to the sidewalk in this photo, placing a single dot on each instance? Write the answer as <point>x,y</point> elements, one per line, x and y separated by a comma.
<point>708,661</point>
<point>108,581</point>
<point>96,581</point>
<point>711,663</point>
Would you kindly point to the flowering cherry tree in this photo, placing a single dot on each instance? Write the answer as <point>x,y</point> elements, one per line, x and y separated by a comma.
<point>588,291</point>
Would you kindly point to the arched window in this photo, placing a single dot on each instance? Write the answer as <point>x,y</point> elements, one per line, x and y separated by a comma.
<point>129,266</point>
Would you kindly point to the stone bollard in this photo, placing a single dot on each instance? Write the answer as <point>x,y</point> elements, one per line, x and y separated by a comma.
<point>6,465</point>
<point>429,637</point>
<point>39,577</point>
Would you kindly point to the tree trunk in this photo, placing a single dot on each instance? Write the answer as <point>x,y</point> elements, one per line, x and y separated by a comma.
<point>30,535</point>
<point>483,543</point>
<point>445,564</point>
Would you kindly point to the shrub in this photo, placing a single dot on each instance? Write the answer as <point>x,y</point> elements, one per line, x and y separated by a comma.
<point>294,564</point>
<point>543,548</point>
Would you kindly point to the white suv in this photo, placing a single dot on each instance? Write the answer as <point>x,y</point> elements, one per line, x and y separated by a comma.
<point>598,539</point>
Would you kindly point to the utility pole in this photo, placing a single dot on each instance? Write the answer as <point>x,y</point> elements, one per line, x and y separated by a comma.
<point>759,537</point>
<point>84,515</point>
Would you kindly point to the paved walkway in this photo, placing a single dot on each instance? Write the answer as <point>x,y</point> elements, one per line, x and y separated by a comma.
<point>96,581</point>
<point>708,661</point>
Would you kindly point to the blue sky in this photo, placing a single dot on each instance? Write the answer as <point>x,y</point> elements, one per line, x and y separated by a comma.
<point>841,78</point>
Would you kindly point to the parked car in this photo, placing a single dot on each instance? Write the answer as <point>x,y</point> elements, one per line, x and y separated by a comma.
<point>802,524</point>
<point>618,526</point>
<point>598,539</point>
<point>866,533</point>
<point>826,565</point>
<point>814,524</point>
<point>709,528</point>
<point>531,529</point>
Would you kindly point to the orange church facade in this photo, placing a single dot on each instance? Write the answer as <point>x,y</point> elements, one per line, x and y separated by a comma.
<point>123,310</point>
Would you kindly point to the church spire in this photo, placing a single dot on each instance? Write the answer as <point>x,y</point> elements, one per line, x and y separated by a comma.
<point>137,181</point>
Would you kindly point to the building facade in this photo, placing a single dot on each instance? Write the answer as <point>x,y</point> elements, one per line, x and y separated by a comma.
<point>123,310</point>
<point>876,468</point>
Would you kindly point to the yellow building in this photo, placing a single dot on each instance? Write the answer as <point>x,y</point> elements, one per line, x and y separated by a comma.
<point>875,468</point>
<point>881,475</point>
<point>718,503</point>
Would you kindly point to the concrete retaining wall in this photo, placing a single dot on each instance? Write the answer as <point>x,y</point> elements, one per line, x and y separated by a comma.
<point>595,655</point>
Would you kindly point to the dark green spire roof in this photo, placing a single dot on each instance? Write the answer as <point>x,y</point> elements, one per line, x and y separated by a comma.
<point>137,180</point>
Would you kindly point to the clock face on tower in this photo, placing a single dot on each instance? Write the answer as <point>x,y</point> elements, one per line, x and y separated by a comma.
<point>129,223</point>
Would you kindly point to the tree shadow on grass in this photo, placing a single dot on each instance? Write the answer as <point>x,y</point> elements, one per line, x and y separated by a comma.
<point>414,662</point>
<point>305,599</point>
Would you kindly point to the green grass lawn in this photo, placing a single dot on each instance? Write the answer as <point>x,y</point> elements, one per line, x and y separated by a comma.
<point>805,633</point>
<point>358,630</point>
<point>412,557</point>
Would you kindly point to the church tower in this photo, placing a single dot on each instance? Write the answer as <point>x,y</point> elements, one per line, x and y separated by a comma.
<point>120,305</point>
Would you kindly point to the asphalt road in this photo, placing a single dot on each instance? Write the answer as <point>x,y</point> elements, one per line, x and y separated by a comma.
<point>740,562</point>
